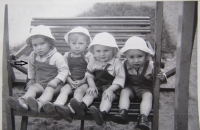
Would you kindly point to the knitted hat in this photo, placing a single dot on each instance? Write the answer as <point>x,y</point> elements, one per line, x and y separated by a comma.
<point>105,39</point>
<point>40,30</point>
<point>136,43</point>
<point>77,30</point>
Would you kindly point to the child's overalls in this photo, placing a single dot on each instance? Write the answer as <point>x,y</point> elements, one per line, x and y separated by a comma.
<point>139,84</point>
<point>77,66</point>
<point>103,79</point>
<point>44,71</point>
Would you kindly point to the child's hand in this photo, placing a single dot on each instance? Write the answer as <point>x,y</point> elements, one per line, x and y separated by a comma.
<point>161,76</point>
<point>91,91</point>
<point>74,84</point>
<point>108,94</point>
<point>52,84</point>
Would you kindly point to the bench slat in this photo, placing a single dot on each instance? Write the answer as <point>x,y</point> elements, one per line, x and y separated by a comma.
<point>96,18</point>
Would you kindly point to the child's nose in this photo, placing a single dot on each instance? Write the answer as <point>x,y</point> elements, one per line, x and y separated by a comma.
<point>136,60</point>
<point>77,45</point>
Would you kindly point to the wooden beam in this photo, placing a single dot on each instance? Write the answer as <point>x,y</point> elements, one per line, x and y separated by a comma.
<point>158,43</point>
<point>7,82</point>
<point>184,52</point>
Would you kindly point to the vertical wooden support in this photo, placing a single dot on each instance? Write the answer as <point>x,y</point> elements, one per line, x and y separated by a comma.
<point>184,52</point>
<point>158,43</point>
<point>7,82</point>
<point>24,123</point>
<point>82,125</point>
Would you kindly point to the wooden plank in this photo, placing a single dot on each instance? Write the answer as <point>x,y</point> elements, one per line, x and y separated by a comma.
<point>21,51</point>
<point>89,24</point>
<point>184,52</point>
<point>7,82</point>
<point>20,68</point>
<point>158,44</point>
<point>97,18</point>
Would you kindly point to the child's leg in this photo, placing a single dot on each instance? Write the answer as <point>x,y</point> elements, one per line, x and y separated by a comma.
<point>124,101</point>
<point>146,104</point>
<point>63,96</point>
<point>80,92</point>
<point>47,96</point>
<point>21,103</point>
<point>145,108</point>
<point>33,91</point>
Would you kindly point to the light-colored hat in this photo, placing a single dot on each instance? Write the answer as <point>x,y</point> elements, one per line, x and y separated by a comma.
<point>136,43</point>
<point>105,39</point>
<point>40,30</point>
<point>77,30</point>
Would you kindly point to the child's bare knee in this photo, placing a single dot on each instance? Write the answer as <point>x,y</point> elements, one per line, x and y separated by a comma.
<point>147,95</point>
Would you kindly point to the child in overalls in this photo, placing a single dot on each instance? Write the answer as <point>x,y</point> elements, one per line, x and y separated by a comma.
<point>139,81</point>
<point>105,75</point>
<point>77,59</point>
<point>47,71</point>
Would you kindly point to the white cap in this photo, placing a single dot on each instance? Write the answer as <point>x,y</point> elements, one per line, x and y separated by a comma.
<point>40,30</point>
<point>77,30</point>
<point>136,43</point>
<point>105,39</point>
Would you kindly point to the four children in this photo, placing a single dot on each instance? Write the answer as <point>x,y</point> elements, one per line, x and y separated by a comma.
<point>99,74</point>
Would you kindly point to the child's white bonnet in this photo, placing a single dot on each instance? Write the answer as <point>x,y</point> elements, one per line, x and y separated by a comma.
<point>77,30</point>
<point>105,39</point>
<point>136,43</point>
<point>40,30</point>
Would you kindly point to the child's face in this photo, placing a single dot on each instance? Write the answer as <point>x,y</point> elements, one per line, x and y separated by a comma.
<point>79,46</point>
<point>40,46</point>
<point>136,58</point>
<point>103,53</point>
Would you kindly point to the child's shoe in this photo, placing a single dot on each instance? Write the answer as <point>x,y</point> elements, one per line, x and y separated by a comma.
<point>34,105</point>
<point>143,123</point>
<point>99,116</point>
<point>49,108</point>
<point>18,104</point>
<point>80,108</point>
<point>65,112</point>
<point>121,117</point>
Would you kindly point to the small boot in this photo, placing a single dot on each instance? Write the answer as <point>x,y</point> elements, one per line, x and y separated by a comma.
<point>19,104</point>
<point>80,108</point>
<point>143,123</point>
<point>99,116</point>
<point>49,108</point>
<point>65,112</point>
<point>35,105</point>
<point>121,117</point>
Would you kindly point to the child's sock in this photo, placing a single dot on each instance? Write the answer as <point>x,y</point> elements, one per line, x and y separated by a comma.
<point>71,109</point>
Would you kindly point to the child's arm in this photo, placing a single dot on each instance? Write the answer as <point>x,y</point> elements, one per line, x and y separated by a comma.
<point>53,83</point>
<point>92,87</point>
<point>108,93</point>
<point>31,70</point>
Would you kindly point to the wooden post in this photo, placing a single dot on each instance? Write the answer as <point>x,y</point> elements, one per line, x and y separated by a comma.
<point>7,82</point>
<point>184,52</point>
<point>158,43</point>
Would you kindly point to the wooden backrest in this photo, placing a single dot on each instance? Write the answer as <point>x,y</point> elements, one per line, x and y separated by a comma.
<point>120,27</point>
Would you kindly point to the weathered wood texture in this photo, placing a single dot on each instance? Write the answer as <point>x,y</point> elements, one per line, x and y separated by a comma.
<point>184,51</point>
<point>158,44</point>
<point>7,74</point>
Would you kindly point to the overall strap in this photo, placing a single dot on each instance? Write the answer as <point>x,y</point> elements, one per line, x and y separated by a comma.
<point>145,68</point>
<point>106,67</point>
<point>125,67</point>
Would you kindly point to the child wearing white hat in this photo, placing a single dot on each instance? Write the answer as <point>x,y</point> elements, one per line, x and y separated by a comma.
<point>139,81</point>
<point>47,71</point>
<point>105,75</point>
<point>77,58</point>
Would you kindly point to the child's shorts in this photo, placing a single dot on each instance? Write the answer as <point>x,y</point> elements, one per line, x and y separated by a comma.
<point>103,88</point>
<point>138,91</point>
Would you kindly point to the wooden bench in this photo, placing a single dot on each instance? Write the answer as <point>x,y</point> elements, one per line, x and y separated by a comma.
<point>120,27</point>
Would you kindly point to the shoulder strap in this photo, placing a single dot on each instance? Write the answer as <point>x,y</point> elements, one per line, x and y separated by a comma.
<point>145,68</point>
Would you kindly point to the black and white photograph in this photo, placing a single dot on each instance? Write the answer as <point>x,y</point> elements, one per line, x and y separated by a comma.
<point>99,65</point>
